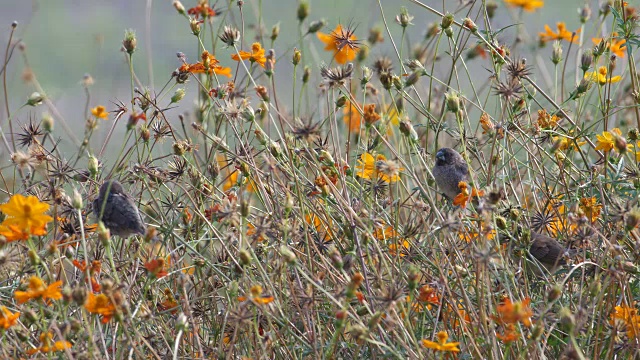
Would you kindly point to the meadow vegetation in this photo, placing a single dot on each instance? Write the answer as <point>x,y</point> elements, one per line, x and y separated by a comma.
<point>309,226</point>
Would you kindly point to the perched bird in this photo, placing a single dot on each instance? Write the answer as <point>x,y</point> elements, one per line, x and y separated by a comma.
<point>449,170</point>
<point>548,251</point>
<point>118,211</point>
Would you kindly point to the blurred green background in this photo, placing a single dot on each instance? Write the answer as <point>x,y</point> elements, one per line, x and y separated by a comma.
<point>66,39</point>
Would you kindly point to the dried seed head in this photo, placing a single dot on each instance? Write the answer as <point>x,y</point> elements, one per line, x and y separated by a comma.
<point>336,77</point>
<point>230,36</point>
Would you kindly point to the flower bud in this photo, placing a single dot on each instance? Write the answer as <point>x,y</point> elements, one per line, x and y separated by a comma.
<point>469,24</point>
<point>130,42</point>
<point>586,60</point>
<point>288,255</point>
<point>177,96</point>
<point>404,18</point>
<point>556,54</point>
<point>315,26</point>
<point>491,9</point>
<point>297,56</point>
<point>35,99</point>
<point>585,13</point>
<point>453,102</point>
<point>306,74</point>
<point>47,122</point>
<point>77,200</point>
<point>179,7</point>
<point>342,100</point>
<point>303,10</point>
<point>93,166</point>
<point>245,258</point>
<point>446,22</point>
<point>195,26</point>
<point>262,93</point>
<point>275,31</point>
<point>406,128</point>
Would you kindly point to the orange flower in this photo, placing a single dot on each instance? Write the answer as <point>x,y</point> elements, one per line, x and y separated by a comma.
<point>629,317</point>
<point>203,9</point>
<point>156,267</point>
<point>251,231</point>
<point>37,289</point>
<point>256,55</point>
<point>209,65</point>
<point>400,249</point>
<point>7,318</point>
<point>100,305</point>
<point>258,298</point>
<point>342,42</point>
<point>511,313</point>
<point>370,114</point>
<point>100,112</point>
<point>562,34</point>
<point>13,232</point>
<point>169,304</point>
<point>48,345</point>
<point>527,5</point>
<point>510,334</point>
<point>352,116</point>
<point>616,46</point>
<point>547,121</point>
<point>427,294</point>
<point>463,197</point>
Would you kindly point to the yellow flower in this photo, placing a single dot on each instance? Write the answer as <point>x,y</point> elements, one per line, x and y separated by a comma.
<point>367,169</point>
<point>38,289</point>
<point>527,5</point>
<point>442,344</point>
<point>601,76</point>
<point>27,213</point>
<point>562,34</point>
<point>342,42</point>
<point>607,140</point>
<point>591,208</point>
<point>48,345</point>
<point>616,46</point>
<point>100,112</point>
<point>567,142</point>
<point>7,318</point>
<point>256,55</point>
<point>101,305</point>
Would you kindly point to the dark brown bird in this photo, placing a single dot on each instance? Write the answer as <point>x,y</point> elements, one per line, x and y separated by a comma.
<point>449,170</point>
<point>548,251</point>
<point>118,211</point>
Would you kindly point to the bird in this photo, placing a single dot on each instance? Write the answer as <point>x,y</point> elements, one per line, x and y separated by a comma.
<point>117,210</point>
<point>449,170</point>
<point>548,251</point>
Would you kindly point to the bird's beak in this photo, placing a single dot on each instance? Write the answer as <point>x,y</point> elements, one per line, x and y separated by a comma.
<point>440,156</point>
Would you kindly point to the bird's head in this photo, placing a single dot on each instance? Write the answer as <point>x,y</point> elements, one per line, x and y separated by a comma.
<point>447,156</point>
